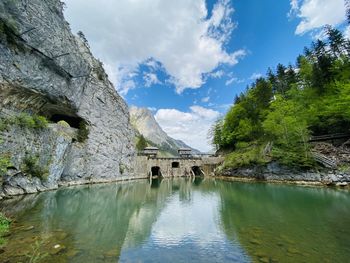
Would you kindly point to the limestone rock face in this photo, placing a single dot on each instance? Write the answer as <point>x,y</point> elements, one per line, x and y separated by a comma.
<point>145,123</point>
<point>46,70</point>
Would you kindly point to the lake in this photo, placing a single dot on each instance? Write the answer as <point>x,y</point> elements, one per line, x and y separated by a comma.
<point>180,220</point>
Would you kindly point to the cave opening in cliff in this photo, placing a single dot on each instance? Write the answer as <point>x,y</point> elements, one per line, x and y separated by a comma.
<point>71,120</point>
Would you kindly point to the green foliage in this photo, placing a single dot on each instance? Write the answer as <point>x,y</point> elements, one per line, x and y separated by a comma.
<point>141,143</point>
<point>83,132</point>
<point>290,105</point>
<point>63,124</point>
<point>32,167</point>
<point>4,228</point>
<point>246,156</point>
<point>122,168</point>
<point>5,162</point>
<point>24,120</point>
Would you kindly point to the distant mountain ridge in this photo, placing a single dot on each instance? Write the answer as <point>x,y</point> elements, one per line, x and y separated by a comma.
<point>144,122</point>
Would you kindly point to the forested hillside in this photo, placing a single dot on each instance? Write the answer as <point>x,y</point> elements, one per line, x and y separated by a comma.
<point>275,117</point>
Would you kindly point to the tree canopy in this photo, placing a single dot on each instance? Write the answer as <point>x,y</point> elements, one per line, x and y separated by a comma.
<point>290,104</point>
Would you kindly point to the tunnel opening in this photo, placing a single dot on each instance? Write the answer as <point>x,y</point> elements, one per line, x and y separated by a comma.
<point>175,165</point>
<point>73,121</point>
<point>155,170</point>
<point>197,171</point>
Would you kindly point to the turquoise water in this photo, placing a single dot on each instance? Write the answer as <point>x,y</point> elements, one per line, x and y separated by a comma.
<point>180,220</point>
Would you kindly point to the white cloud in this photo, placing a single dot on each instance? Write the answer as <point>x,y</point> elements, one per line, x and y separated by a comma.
<point>255,76</point>
<point>178,34</point>
<point>150,79</point>
<point>233,80</point>
<point>315,14</point>
<point>205,99</point>
<point>347,32</point>
<point>217,74</point>
<point>191,127</point>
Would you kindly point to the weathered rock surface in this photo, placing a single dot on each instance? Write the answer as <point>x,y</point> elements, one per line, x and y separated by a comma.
<point>144,122</point>
<point>275,172</point>
<point>46,70</point>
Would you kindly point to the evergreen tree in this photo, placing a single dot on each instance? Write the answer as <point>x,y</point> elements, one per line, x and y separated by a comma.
<point>336,41</point>
<point>141,143</point>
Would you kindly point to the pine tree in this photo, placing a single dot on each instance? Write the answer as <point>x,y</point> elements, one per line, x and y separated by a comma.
<point>336,41</point>
<point>141,143</point>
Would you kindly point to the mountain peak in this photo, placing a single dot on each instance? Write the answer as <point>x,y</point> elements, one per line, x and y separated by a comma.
<point>144,122</point>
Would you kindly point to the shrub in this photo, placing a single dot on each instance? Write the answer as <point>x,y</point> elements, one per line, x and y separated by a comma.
<point>63,124</point>
<point>121,168</point>
<point>24,120</point>
<point>5,162</point>
<point>249,155</point>
<point>31,166</point>
<point>83,132</point>
<point>40,122</point>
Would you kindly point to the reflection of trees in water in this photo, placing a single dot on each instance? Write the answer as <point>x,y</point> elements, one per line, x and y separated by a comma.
<point>100,217</point>
<point>285,223</point>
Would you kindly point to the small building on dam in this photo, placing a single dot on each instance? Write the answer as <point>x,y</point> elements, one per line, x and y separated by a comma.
<point>186,165</point>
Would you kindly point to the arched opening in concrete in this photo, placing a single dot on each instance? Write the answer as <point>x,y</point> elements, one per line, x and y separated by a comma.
<point>155,170</point>
<point>175,165</point>
<point>197,171</point>
<point>71,120</point>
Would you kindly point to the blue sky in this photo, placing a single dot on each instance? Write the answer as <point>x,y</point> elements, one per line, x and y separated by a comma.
<point>186,60</point>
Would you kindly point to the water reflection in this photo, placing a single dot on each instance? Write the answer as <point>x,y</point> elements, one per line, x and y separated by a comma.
<point>182,220</point>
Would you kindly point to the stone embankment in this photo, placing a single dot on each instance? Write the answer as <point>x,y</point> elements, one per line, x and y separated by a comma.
<point>273,172</point>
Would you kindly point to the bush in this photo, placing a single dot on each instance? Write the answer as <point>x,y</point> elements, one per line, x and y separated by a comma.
<point>83,132</point>
<point>63,124</point>
<point>121,168</point>
<point>31,166</point>
<point>4,228</point>
<point>249,155</point>
<point>5,162</point>
<point>40,122</point>
<point>24,120</point>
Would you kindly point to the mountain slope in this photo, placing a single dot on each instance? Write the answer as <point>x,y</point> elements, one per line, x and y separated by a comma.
<point>144,122</point>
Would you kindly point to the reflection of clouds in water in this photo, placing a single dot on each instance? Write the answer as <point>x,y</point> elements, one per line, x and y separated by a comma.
<point>183,231</point>
<point>194,221</point>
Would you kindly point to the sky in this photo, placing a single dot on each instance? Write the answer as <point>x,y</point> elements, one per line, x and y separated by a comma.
<point>185,60</point>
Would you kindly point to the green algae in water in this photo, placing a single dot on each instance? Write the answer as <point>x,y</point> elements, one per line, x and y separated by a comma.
<point>181,221</point>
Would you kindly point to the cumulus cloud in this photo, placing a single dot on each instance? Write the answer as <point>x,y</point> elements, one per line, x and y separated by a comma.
<point>233,80</point>
<point>315,14</point>
<point>191,127</point>
<point>126,33</point>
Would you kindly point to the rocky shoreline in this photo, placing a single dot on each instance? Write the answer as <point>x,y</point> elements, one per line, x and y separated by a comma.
<point>275,173</point>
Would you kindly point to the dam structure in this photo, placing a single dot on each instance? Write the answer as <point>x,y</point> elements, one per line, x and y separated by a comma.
<point>186,165</point>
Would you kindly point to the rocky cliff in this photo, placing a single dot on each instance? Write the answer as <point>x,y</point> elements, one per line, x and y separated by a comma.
<point>145,123</point>
<point>46,70</point>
